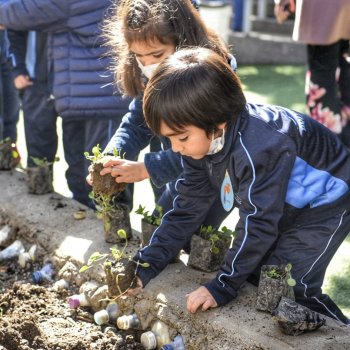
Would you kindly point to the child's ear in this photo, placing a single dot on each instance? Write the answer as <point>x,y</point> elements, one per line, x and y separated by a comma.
<point>222,126</point>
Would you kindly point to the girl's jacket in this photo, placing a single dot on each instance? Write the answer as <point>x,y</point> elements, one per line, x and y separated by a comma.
<point>133,135</point>
<point>275,165</point>
<point>77,62</point>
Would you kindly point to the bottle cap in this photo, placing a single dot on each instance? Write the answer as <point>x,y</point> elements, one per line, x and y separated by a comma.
<point>113,311</point>
<point>148,340</point>
<point>74,301</point>
<point>101,317</point>
<point>123,322</point>
<point>167,347</point>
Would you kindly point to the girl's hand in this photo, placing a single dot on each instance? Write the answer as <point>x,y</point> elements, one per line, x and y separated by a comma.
<point>200,297</point>
<point>125,170</point>
<point>89,177</point>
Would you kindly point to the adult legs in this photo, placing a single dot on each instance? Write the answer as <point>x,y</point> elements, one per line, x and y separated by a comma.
<point>321,86</point>
<point>11,102</point>
<point>40,119</point>
<point>344,89</point>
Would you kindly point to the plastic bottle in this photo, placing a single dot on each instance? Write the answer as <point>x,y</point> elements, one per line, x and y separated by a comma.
<point>148,340</point>
<point>4,234</point>
<point>60,284</point>
<point>177,344</point>
<point>109,315</point>
<point>45,274</point>
<point>25,257</point>
<point>77,300</point>
<point>128,321</point>
<point>12,250</point>
<point>161,331</point>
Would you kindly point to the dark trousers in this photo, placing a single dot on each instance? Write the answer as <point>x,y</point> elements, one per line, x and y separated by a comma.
<point>309,244</point>
<point>9,103</point>
<point>328,87</point>
<point>40,119</point>
<point>80,136</point>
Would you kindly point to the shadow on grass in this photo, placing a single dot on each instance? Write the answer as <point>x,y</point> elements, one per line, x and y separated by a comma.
<point>339,289</point>
<point>281,84</point>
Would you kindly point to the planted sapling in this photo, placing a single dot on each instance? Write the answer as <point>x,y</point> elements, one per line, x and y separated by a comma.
<point>149,223</point>
<point>275,281</point>
<point>208,248</point>
<point>120,269</point>
<point>115,216</point>
<point>39,176</point>
<point>9,156</point>
<point>103,184</point>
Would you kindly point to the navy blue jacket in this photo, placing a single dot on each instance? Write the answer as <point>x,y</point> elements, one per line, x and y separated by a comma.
<point>280,164</point>
<point>82,85</point>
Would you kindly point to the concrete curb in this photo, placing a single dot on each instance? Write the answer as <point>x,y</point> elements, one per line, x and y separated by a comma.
<point>48,221</point>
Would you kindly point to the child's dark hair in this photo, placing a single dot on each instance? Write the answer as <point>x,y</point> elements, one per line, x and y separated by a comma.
<point>193,87</point>
<point>168,21</point>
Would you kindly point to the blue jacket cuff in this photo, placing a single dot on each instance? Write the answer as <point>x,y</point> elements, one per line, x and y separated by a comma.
<point>222,293</point>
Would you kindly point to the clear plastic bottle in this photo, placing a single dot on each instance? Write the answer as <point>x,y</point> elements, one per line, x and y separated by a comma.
<point>28,256</point>
<point>109,315</point>
<point>77,300</point>
<point>44,274</point>
<point>61,284</point>
<point>12,250</point>
<point>4,234</point>
<point>177,344</point>
<point>128,321</point>
<point>161,331</point>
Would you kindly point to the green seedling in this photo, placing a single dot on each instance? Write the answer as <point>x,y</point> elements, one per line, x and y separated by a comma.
<point>213,235</point>
<point>150,219</point>
<point>97,154</point>
<point>280,274</point>
<point>43,162</point>
<point>116,254</point>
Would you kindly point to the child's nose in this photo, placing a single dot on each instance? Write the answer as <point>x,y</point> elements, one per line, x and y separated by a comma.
<point>176,146</point>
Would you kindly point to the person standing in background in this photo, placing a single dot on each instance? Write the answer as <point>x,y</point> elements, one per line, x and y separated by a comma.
<point>29,60</point>
<point>325,27</point>
<point>82,88</point>
<point>9,101</point>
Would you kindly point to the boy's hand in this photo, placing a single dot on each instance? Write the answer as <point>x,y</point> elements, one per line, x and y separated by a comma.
<point>200,297</point>
<point>125,170</point>
<point>136,290</point>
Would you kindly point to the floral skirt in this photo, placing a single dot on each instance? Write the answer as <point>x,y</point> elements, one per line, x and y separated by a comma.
<point>327,86</point>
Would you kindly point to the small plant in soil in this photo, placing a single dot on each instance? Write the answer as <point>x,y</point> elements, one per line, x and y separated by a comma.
<point>149,223</point>
<point>208,248</point>
<point>39,177</point>
<point>115,216</point>
<point>275,281</point>
<point>103,184</point>
<point>119,268</point>
<point>9,156</point>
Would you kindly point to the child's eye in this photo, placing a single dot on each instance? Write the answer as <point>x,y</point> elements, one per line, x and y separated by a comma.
<point>158,55</point>
<point>183,139</point>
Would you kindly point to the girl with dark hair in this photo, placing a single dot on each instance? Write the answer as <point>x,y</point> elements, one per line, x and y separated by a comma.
<point>293,201</point>
<point>142,34</point>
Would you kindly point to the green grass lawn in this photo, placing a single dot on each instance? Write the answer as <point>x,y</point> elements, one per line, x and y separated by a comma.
<point>284,86</point>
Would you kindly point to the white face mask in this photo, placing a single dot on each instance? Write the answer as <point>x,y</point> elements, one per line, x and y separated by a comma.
<point>217,144</point>
<point>147,70</point>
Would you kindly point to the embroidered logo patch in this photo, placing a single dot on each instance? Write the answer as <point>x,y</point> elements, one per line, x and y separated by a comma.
<point>227,195</point>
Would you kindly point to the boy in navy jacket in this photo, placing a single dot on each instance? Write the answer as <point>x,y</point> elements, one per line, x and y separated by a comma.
<point>288,175</point>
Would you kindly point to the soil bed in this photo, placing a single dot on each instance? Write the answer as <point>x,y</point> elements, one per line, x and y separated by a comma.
<point>38,317</point>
